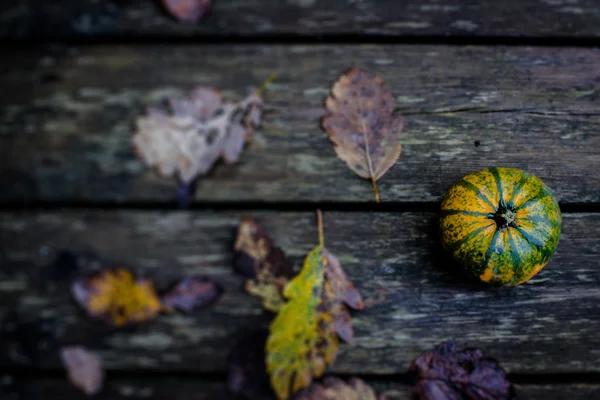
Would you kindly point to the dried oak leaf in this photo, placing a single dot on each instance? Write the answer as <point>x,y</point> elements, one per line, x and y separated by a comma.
<point>187,10</point>
<point>336,389</point>
<point>361,124</point>
<point>259,259</point>
<point>445,374</point>
<point>198,130</point>
<point>117,297</point>
<point>303,337</point>
<point>84,369</point>
<point>191,293</point>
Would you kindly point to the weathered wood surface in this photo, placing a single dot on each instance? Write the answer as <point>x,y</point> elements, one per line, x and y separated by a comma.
<point>415,297</point>
<point>65,129</point>
<point>196,389</point>
<point>512,18</point>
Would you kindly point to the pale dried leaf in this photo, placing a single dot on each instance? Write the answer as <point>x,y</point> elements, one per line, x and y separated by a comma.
<point>195,133</point>
<point>334,388</point>
<point>84,369</point>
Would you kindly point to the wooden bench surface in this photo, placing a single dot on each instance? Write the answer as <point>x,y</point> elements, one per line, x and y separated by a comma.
<point>485,85</point>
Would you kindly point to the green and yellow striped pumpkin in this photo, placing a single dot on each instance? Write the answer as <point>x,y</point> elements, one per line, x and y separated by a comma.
<point>502,224</point>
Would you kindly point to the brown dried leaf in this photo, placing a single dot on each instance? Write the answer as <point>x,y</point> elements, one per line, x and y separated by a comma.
<point>339,292</point>
<point>84,369</point>
<point>336,389</point>
<point>445,374</point>
<point>191,293</point>
<point>188,139</point>
<point>258,258</point>
<point>187,10</point>
<point>117,297</point>
<point>360,123</point>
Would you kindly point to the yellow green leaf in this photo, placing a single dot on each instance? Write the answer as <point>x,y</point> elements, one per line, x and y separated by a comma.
<point>304,335</point>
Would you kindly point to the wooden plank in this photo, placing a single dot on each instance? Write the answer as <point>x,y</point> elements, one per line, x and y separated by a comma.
<point>159,388</point>
<point>504,106</point>
<point>415,297</point>
<point>507,18</point>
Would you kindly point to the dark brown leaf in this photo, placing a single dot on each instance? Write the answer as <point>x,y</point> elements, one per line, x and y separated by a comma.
<point>445,374</point>
<point>360,123</point>
<point>258,258</point>
<point>188,10</point>
<point>191,293</point>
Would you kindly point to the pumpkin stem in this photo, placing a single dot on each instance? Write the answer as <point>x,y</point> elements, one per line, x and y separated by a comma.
<point>504,217</point>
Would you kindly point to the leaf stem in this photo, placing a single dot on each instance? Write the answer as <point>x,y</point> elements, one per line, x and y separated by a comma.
<point>266,84</point>
<point>369,163</point>
<point>320,224</point>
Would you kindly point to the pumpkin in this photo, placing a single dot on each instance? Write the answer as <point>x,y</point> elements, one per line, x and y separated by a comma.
<point>502,224</point>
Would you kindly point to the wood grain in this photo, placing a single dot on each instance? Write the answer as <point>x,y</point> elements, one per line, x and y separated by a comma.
<point>65,129</point>
<point>416,298</point>
<point>162,388</point>
<point>507,18</point>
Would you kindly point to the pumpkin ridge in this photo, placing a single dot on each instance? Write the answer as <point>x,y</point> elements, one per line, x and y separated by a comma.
<point>488,253</point>
<point>516,258</point>
<point>538,218</point>
<point>542,194</point>
<point>469,186</point>
<point>456,245</point>
<point>530,239</point>
<point>496,174</point>
<point>525,176</point>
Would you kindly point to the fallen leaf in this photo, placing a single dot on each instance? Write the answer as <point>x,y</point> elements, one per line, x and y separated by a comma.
<point>188,10</point>
<point>191,293</point>
<point>336,389</point>
<point>303,337</point>
<point>247,378</point>
<point>116,297</point>
<point>445,374</point>
<point>84,369</point>
<point>188,140</point>
<point>258,258</point>
<point>361,124</point>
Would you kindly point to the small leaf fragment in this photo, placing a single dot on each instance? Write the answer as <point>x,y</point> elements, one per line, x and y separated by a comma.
<point>447,374</point>
<point>361,124</point>
<point>117,297</point>
<point>303,337</point>
<point>334,388</point>
<point>190,11</point>
<point>258,258</point>
<point>191,293</point>
<point>84,369</point>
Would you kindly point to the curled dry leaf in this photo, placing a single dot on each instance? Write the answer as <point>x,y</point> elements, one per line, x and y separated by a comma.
<point>447,374</point>
<point>198,130</point>
<point>303,337</point>
<point>336,389</point>
<point>361,124</point>
<point>117,297</point>
<point>259,259</point>
<point>84,369</point>
<point>191,293</point>
<point>187,10</point>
